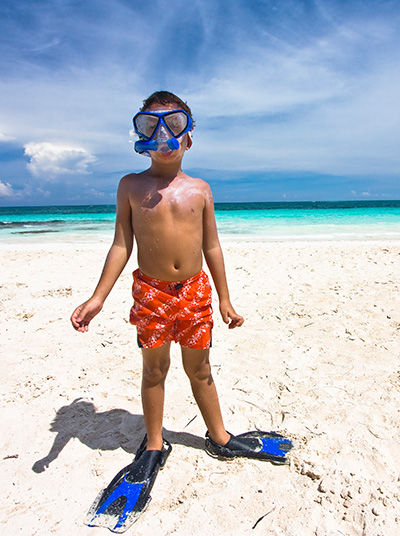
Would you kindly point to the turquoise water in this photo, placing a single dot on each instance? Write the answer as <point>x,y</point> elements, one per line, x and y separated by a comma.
<point>275,221</point>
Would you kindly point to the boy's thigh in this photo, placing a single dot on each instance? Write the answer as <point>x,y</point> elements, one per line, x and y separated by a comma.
<point>196,362</point>
<point>156,357</point>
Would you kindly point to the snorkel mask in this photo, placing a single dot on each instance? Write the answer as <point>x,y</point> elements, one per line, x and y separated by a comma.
<point>158,131</point>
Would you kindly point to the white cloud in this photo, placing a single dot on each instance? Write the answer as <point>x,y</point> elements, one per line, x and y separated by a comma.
<point>305,116</point>
<point>284,96</point>
<point>329,105</point>
<point>282,81</point>
<point>5,137</point>
<point>6,189</point>
<point>49,160</point>
<point>27,193</point>
<point>96,193</point>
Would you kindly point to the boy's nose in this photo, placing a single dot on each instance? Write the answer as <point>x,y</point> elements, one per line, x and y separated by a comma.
<point>162,133</point>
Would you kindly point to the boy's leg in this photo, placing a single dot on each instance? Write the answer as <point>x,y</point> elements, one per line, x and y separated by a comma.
<point>155,368</point>
<point>197,366</point>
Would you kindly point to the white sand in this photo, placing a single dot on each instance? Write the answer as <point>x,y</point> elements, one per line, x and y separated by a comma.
<point>317,359</point>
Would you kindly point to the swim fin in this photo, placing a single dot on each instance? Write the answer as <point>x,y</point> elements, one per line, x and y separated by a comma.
<point>257,444</point>
<point>119,505</point>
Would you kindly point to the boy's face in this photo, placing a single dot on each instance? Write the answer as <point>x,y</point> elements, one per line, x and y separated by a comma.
<point>185,142</point>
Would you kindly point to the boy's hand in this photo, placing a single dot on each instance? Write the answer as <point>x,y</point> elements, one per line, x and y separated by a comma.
<point>83,314</point>
<point>228,312</point>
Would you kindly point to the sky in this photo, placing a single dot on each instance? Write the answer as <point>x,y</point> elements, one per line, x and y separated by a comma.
<point>293,100</point>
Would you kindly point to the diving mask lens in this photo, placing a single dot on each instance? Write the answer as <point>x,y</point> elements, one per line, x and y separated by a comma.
<point>177,122</point>
<point>145,124</point>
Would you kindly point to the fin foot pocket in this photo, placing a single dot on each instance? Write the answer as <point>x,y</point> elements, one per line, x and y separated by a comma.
<point>257,444</point>
<point>165,452</point>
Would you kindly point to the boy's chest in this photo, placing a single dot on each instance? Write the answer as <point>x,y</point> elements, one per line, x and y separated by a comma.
<point>161,208</point>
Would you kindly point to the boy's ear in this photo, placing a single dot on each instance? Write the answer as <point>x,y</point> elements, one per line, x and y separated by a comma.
<point>189,141</point>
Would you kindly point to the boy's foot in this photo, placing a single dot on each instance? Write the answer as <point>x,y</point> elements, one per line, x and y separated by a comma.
<point>257,444</point>
<point>165,450</point>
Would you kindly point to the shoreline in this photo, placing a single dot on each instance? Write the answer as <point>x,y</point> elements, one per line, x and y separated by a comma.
<point>82,242</point>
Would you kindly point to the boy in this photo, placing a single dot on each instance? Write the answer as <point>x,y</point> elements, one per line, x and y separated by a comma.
<point>171,215</point>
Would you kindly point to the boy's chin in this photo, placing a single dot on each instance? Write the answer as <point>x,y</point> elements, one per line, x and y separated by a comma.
<point>168,155</point>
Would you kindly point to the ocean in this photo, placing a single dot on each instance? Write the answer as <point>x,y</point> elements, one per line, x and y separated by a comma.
<point>341,220</point>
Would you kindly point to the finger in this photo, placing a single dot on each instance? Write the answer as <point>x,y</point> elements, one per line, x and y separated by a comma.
<point>77,311</point>
<point>75,316</point>
<point>74,323</point>
<point>233,323</point>
<point>236,322</point>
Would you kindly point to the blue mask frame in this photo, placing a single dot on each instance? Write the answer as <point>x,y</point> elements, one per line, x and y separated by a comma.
<point>161,121</point>
<point>147,143</point>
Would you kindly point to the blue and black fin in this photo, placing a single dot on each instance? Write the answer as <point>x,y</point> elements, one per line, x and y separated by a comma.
<point>119,505</point>
<point>259,445</point>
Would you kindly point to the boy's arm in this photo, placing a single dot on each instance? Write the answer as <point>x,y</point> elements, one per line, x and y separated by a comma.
<point>215,262</point>
<point>116,260</point>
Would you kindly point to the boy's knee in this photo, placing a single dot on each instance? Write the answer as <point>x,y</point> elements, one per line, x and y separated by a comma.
<point>155,374</point>
<point>200,373</point>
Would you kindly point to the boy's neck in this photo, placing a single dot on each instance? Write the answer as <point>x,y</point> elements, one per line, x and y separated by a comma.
<point>165,170</point>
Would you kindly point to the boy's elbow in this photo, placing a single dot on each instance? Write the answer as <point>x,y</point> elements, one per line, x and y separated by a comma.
<point>122,248</point>
<point>211,249</point>
<point>124,241</point>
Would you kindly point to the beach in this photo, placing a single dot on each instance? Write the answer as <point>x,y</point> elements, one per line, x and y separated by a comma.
<point>317,359</point>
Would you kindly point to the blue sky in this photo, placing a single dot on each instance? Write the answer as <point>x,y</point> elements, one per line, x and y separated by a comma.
<point>293,99</point>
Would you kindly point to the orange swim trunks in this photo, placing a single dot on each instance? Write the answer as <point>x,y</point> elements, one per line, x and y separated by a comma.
<point>177,311</point>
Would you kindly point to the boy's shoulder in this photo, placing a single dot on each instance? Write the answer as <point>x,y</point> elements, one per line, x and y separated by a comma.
<point>201,183</point>
<point>131,181</point>
<point>131,177</point>
<point>196,186</point>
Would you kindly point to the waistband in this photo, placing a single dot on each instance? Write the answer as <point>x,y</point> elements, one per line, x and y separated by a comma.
<point>138,273</point>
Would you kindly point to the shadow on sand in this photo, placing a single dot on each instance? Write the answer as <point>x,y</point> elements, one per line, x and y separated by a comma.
<point>108,430</point>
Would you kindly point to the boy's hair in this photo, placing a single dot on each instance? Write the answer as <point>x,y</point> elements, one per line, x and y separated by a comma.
<point>165,97</point>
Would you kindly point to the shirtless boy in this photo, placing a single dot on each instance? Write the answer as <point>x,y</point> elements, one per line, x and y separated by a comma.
<point>171,216</point>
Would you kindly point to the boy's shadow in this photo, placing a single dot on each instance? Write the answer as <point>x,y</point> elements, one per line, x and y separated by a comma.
<point>108,430</point>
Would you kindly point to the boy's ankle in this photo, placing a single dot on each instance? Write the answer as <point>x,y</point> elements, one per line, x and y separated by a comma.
<point>154,444</point>
<point>220,438</point>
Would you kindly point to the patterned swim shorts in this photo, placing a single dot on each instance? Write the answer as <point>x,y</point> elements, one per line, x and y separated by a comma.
<point>165,311</point>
